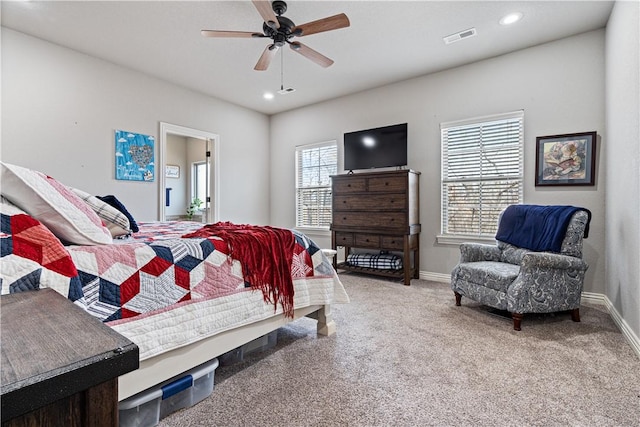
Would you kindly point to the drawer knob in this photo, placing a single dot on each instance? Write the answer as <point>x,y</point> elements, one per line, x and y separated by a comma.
<point>344,218</point>
<point>386,183</point>
<point>348,185</point>
<point>344,201</point>
<point>367,240</point>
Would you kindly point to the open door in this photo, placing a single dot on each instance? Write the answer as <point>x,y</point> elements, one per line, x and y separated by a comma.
<point>209,178</point>
<point>207,201</point>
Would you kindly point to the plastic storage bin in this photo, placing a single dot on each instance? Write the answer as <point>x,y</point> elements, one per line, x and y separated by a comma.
<point>263,343</point>
<point>147,408</point>
<point>141,410</point>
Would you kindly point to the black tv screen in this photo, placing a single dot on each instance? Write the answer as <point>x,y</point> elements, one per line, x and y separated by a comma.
<point>376,148</point>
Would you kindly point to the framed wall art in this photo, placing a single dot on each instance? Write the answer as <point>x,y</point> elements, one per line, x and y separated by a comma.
<point>568,159</point>
<point>134,156</point>
<point>172,171</point>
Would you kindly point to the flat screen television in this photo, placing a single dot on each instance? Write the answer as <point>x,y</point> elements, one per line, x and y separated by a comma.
<point>376,148</point>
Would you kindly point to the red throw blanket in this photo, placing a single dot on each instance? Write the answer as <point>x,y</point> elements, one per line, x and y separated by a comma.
<point>265,253</point>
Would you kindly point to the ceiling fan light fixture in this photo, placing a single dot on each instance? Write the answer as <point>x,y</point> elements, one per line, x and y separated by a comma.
<point>281,30</point>
<point>511,18</point>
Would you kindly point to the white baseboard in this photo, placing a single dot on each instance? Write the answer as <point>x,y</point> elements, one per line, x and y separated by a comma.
<point>435,277</point>
<point>627,332</point>
<point>592,297</point>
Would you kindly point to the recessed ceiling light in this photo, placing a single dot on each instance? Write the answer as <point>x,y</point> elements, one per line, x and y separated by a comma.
<point>267,95</point>
<point>511,18</point>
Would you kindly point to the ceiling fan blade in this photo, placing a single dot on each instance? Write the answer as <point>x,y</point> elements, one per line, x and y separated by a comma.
<point>311,54</point>
<point>238,34</point>
<point>326,24</point>
<point>266,57</point>
<point>266,11</point>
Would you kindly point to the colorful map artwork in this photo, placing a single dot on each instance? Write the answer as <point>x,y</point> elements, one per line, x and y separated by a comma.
<point>134,156</point>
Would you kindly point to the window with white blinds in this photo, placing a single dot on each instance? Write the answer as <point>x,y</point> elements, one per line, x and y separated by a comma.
<point>314,166</point>
<point>482,172</point>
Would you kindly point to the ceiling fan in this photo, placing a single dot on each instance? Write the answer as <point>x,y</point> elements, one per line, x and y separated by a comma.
<point>281,30</point>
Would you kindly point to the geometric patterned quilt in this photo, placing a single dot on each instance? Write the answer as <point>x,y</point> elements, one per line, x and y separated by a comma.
<point>156,271</point>
<point>189,289</point>
<point>158,290</point>
<point>31,257</point>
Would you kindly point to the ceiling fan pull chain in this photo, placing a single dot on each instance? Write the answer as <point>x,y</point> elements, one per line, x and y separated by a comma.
<point>281,69</point>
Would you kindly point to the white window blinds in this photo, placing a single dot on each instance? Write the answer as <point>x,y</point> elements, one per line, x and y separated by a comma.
<point>314,166</point>
<point>482,172</point>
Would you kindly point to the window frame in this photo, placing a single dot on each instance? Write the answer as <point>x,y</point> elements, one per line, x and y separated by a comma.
<point>299,187</point>
<point>445,236</point>
<point>194,182</point>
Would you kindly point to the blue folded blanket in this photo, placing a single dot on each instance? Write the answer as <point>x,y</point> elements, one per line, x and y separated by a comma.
<point>535,227</point>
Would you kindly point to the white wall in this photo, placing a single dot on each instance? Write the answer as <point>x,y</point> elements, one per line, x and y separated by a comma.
<point>60,109</point>
<point>559,85</point>
<point>623,162</point>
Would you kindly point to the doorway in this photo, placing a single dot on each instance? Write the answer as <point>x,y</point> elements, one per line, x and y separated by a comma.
<point>169,203</point>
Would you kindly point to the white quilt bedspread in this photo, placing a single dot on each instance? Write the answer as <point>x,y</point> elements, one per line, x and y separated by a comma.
<point>198,319</point>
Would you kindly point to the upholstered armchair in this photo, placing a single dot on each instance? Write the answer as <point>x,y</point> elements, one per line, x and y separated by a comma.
<point>544,276</point>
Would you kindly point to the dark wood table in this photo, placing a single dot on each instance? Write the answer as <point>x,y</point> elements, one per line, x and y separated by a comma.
<point>60,365</point>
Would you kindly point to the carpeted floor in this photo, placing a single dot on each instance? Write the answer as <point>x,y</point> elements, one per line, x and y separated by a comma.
<point>407,356</point>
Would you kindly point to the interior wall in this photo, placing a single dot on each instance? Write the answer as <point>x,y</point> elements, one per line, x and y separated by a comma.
<point>623,162</point>
<point>60,109</point>
<point>559,85</point>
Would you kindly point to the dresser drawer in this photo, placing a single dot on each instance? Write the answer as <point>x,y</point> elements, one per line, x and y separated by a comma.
<point>370,202</point>
<point>388,183</point>
<point>385,220</point>
<point>344,239</point>
<point>392,242</point>
<point>366,240</point>
<point>350,185</point>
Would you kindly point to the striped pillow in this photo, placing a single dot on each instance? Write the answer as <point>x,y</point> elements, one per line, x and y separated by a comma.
<point>117,223</point>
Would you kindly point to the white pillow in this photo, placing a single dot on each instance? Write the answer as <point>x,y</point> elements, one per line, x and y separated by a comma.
<point>54,205</point>
<point>117,222</point>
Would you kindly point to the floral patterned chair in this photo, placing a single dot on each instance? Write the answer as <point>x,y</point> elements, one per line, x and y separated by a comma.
<point>523,280</point>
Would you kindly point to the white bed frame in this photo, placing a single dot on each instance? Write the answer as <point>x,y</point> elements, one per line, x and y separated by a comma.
<point>157,369</point>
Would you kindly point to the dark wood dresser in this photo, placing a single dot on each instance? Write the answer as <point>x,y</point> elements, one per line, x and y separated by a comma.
<point>378,211</point>
<point>60,365</point>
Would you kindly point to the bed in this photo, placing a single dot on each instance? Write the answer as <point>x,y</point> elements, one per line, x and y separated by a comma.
<point>182,300</point>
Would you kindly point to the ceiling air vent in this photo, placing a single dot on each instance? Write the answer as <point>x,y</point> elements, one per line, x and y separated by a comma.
<point>459,36</point>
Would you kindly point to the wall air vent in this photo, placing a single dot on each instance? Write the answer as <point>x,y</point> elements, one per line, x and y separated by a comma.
<point>459,36</point>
